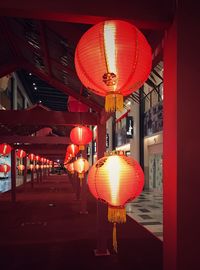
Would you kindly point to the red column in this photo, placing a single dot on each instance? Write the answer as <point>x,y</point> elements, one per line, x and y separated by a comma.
<point>102,223</point>
<point>13,175</point>
<point>83,203</point>
<point>25,170</point>
<point>181,141</point>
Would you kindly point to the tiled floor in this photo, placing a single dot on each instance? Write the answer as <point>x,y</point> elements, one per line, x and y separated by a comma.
<point>147,210</point>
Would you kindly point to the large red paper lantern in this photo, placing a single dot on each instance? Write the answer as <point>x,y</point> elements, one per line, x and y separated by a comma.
<point>72,149</point>
<point>81,136</point>
<point>5,149</point>
<point>21,153</point>
<point>4,168</point>
<point>113,59</point>
<point>116,180</point>
<point>75,105</point>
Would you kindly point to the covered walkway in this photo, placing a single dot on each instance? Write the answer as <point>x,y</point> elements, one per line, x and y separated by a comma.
<point>45,230</point>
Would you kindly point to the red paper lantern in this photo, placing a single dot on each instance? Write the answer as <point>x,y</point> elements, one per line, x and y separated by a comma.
<point>81,166</point>
<point>75,105</point>
<point>5,149</point>
<point>37,166</point>
<point>21,153</point>
<point>113,59</point>
<point>31,157</point>
<point>81,135</point>
<point>37,158</point>
<point>31,167</point>
<point>70,167</point>
<point>72,149</point>
<point>4,168</point>
<point>20,167</point>
<point>116,180</point>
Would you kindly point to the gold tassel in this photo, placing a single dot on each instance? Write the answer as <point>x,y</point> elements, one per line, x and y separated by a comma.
<point>113,102</point>
<point>115,237</point>
<point>116,214</point>
<point>81,147</point>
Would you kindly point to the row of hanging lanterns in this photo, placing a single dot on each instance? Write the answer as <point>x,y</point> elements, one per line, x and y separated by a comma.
<point>5,150</point>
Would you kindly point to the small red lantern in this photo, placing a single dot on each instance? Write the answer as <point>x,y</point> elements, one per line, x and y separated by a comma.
<point>21,153</point>
<point>31,157</point>
<point>75,105</point>
<point>4,168</point>
<point>70,167</point>
<point>31,167</point>
<point>37,158</point>
<point>113,59</point>
<point>37,166</point>
<point>5,149</point>
<point>81,135</point>
<point>20,167</point>
<point>116,179</point>
<point>42,159</point>
<point>81,166</point>
<point>72,149</point>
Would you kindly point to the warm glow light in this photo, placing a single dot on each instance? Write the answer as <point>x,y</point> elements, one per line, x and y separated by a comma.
<point>113,168</point>
<point>109,46</point>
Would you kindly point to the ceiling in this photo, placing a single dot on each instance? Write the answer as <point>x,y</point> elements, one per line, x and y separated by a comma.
<point>38,41</point>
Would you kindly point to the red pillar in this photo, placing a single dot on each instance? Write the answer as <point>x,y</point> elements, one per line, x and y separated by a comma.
<point>83,203</point>
<point>181,140</point>
<point>25,170</point>
<point>102,222</point>
<point>13,175</point>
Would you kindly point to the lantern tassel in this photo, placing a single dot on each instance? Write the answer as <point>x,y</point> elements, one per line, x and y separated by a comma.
<point>115,237</point>
<point>114,102</point>
<point>81,147</point>
<point>116,214</point>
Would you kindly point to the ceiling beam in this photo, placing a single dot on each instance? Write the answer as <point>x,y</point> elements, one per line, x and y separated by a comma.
<point>36,140</point>
<point>46,118</point>
<point>144,14</point>
<point>61,86</point>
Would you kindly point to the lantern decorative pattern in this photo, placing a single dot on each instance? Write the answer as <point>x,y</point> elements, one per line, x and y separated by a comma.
<point>81,136</point>
<point>116,180</point>
<point>72,149</point>
<point>4,168</point>
<point>81,166</point>
<point>75,105</point>
<point>5,149</point>
<point>113,59</point>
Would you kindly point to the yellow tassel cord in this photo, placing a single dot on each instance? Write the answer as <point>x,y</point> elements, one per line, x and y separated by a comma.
<point>114,102</point>
<point>81,147</point>
<point>81,176</point>
<point>116,215</point>
<point>115,237</point>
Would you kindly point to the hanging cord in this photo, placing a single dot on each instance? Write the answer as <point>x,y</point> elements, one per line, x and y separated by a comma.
<point>115,237</point>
